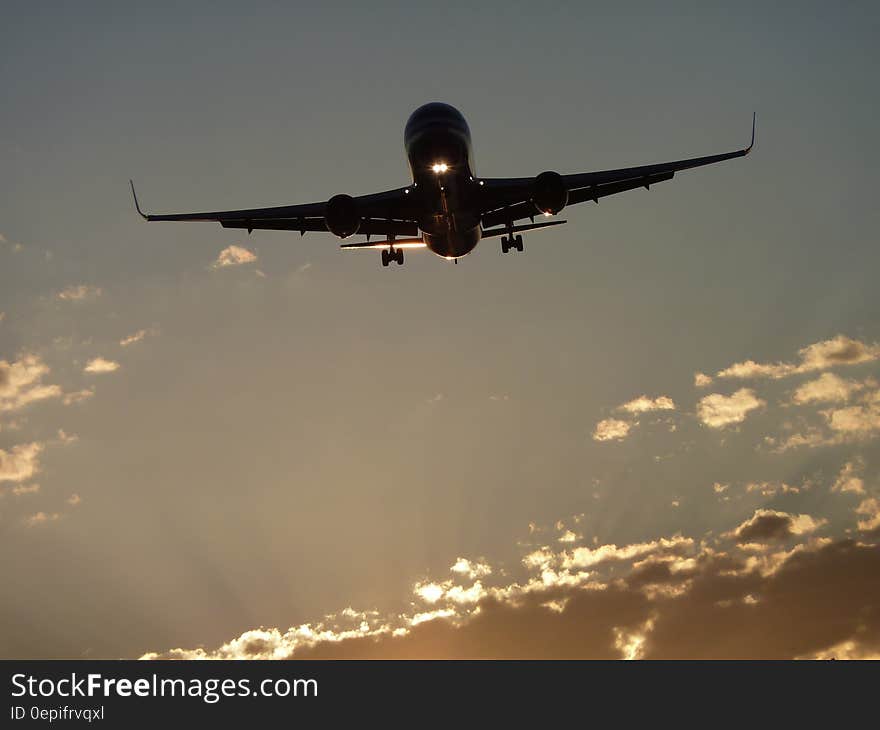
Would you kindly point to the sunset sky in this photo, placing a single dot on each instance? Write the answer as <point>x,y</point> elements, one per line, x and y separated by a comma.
<point>652,434</point>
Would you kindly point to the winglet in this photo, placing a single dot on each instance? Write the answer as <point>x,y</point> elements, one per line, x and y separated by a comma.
<point>752,143</point>
<point>136,204</point>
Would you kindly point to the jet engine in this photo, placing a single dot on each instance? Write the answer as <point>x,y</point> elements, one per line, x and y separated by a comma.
<point>549,193</point>
<point>341,216</point>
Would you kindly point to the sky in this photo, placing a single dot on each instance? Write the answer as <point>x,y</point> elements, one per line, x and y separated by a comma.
<point>652,434</point>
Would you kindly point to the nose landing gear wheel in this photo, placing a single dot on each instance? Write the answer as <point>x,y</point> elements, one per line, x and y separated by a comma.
<point>505,246</point>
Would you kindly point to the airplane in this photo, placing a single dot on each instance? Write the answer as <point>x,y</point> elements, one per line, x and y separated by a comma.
<point>447,208</point>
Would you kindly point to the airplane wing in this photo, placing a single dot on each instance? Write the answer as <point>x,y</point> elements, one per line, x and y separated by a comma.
<point>390,213</point>
<point>509,199</point>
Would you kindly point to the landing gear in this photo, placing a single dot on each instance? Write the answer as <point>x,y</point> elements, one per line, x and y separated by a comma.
<point>392,255</point>
<point>508,243</point>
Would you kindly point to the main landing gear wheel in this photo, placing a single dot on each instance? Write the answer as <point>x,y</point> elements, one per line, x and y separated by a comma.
<point>509,243</point>
<point>389,256</point>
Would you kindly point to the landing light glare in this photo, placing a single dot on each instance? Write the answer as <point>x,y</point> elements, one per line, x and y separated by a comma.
<point>438,167</point>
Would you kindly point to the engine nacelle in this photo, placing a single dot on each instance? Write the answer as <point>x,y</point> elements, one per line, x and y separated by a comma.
<point>549,193</point>
<point>341,216</point>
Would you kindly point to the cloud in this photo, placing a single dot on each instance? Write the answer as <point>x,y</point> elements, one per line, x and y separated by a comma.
<point>771,489</point>
<point>79,292</point>
<point>20,463</point>
<point>848,479</point>
<point>839,350</point>
<point>234,256</point>
<point>769,525</point>
<point>41,518</point>
<point>828,388</point>
<point>846,650</point>
<point>854,421</point>
<point>472,570</point>
<point>701,380</point>
<point>611,429</point>
<point>811,438</point>
<point>132,338</point>
<point>20,383</point>
<point>870,510</point>
<point>101,365</point>
<point>583,557</point>
<point>707,605</point>
<point>430,592</point>
<point>77,396</point>
<point>643,404</point>
<point>21,489</point>
<point>74,499</point>
<point>717,410</point>
<point>67,438</point>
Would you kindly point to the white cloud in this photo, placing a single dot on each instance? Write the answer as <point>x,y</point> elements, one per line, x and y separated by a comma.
<point>101,365</point>
<point>643,404</point>
<point>611,429</point>
<point>21,489</point>
<point>234,256</point>
<point>717,410</point>
<point>74,499</point>
<point>20,463</point>
<point>79,292</point>
<point>460,595</point>
<point>430,592</point>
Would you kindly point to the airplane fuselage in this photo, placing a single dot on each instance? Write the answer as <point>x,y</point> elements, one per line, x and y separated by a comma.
<point>438,147</point>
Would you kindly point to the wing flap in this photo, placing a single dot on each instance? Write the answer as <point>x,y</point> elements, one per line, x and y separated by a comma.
<point>368,227</point>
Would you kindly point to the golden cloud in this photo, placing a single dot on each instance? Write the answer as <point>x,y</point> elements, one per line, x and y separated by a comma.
<point>20,383</point>
<point>101,365</point>
<point>644,404</point>
<point>611,429</point>
<point>20,463</point>
<point>717,410</point>
<point>234,256</point>
<point>839,350</point>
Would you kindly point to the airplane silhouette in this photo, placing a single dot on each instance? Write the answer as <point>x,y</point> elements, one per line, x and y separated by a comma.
<point>447,208</point>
